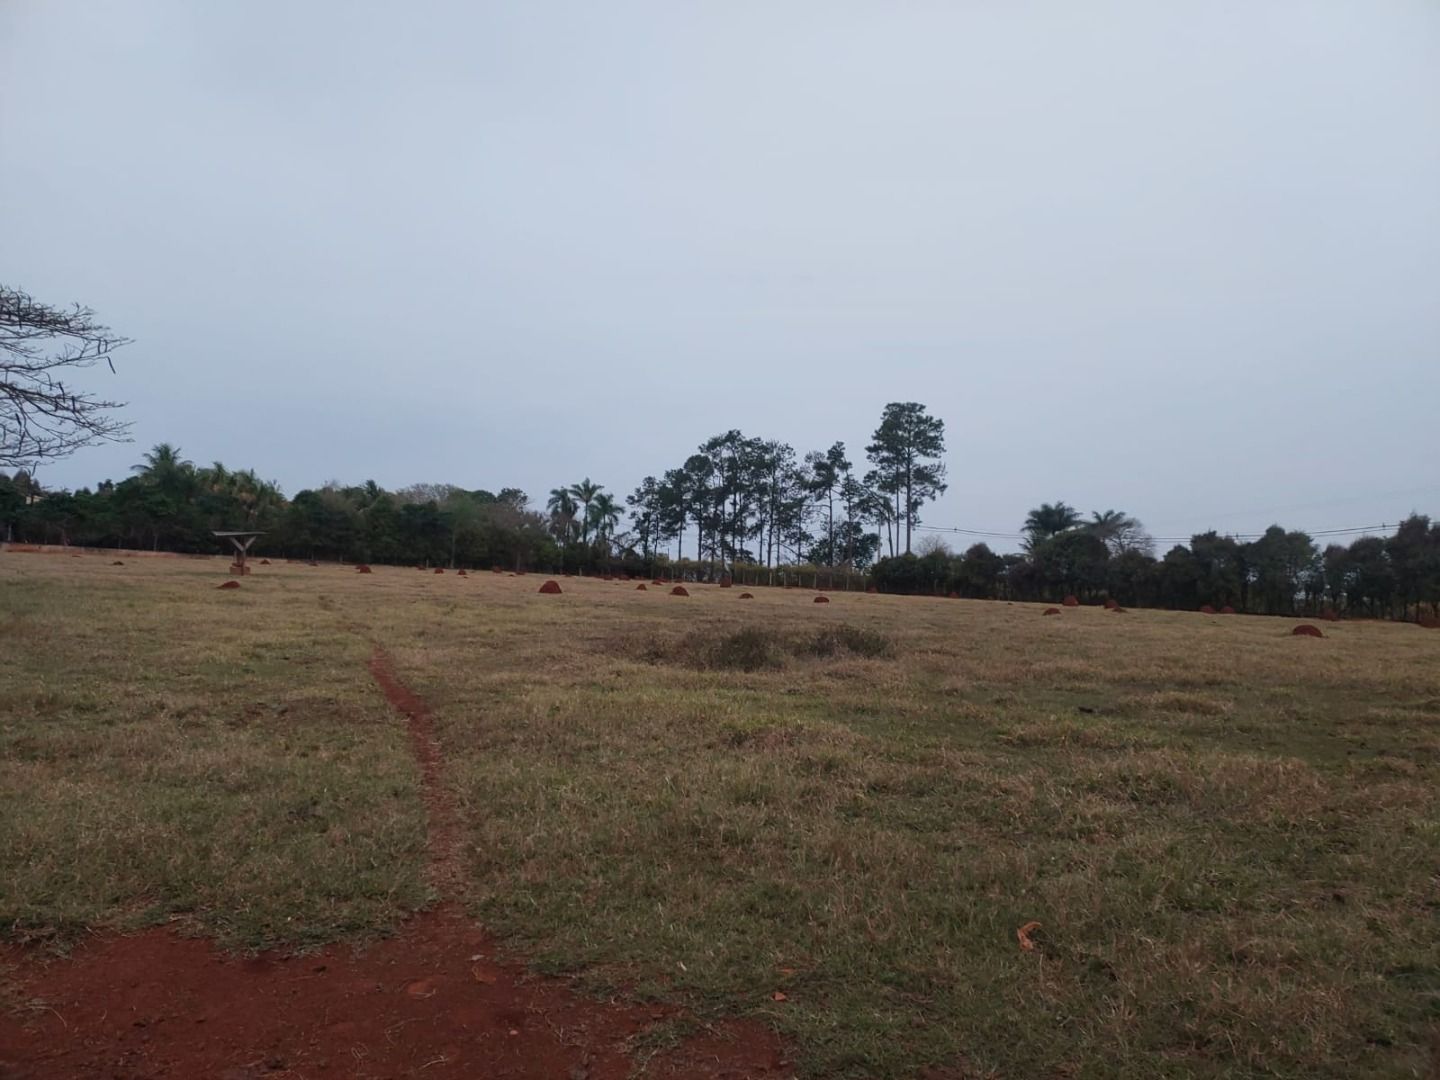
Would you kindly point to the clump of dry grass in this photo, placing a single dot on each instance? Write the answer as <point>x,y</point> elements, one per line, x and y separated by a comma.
<point>755,648</point>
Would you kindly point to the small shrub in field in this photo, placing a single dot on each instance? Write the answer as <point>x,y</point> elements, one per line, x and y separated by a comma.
<point>751,649</point>
<point>760,649</point>
<point>847,639</point>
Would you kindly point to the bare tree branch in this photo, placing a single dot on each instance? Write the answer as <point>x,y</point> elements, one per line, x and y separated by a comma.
<point>41,418</point>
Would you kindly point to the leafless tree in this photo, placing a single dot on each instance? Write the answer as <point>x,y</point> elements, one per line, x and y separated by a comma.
<point>41,416</point>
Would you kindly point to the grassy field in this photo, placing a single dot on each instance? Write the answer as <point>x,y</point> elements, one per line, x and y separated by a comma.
<point>1230,836</point>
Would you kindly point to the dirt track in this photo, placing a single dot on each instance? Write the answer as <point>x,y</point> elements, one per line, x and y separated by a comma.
<point>430,1002</point>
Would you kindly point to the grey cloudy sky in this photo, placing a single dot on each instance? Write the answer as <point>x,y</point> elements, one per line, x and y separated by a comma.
<point>1180,259</point>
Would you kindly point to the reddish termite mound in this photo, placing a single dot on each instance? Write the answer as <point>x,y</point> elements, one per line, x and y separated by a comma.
<point>461,573</point>
<point>1227,610</point>
<point>1330,615</point>
<point>747,596</point>
<point>1051,611</point>
<point>312,562</point>
<point>117,562</point>
<point>362,568</point>
<point>679,590</point>
<point>1206,609</point>
<point>1306,630</point>
<point>822,599</point>
<point>641,587</point>
<point>228,585</point>
<point>872,589</point>
<point>1429,622</point>
<point>439,569</point>
<point>726,582</point>
<point>1111,603</point>
<point>657,581</point>
<point>264,562</point>
<point>1070,601</point>
<point>550,588</point>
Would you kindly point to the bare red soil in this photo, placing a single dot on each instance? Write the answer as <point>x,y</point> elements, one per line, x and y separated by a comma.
<point>228,585</point>
<point>432,1002</point>
<point>679,590</point>
<point>1051,611</point>
<point>1306,630</point>
<point>550,588</point>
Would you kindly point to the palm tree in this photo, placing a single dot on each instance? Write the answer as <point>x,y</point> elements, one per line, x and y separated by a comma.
<point>585,491</point>
<point>216,478</point>
<point>1046,521</point>
<point>562,513</point>
<point>604,513</point>
<point>1118,530</point>
<point>162,466</point>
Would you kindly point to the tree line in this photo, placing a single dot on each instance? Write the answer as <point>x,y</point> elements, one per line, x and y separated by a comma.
<point>743,504</point>
<point>737,499</point>
<point>1109,556</point>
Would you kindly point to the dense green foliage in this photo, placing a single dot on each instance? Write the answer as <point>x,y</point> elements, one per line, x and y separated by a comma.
<point>1277,573</point>
<point>746,506</point>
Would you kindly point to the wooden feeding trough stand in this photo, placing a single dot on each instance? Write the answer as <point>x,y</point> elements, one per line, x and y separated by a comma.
<point>241,542</point>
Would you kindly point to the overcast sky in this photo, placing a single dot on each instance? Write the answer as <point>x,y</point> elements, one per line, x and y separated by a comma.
<point>1179,259</point>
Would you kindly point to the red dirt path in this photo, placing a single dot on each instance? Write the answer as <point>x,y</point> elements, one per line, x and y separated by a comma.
<point>432,1003</point>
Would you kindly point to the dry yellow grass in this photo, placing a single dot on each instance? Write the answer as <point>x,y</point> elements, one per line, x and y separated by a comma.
<point>1229,835</point>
